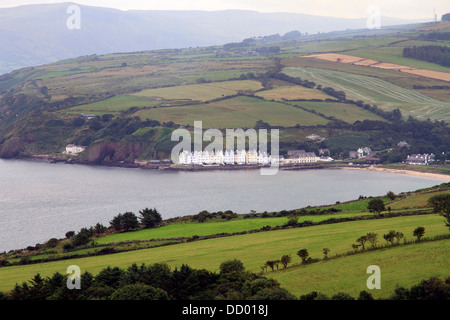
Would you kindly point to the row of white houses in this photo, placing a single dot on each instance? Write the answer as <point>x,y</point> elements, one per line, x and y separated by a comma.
<point>227,157</point>
<point>247,157</point>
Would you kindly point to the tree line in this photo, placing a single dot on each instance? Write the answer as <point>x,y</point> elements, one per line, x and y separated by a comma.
<point>435,54</point>
<point>158,282</point>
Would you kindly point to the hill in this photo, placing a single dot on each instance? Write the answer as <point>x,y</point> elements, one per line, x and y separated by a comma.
<point>258,238</point>
<point>139,98</point>
<point>38,34</point>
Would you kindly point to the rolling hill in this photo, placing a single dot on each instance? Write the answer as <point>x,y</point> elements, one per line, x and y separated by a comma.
<point>140,97</point>
<point>38,34</point>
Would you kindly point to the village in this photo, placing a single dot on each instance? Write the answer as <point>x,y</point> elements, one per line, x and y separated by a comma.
<point>254,157</point>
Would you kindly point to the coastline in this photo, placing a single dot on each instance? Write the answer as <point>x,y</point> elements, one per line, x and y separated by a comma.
<point>172,167</point>
<point>399,171</point>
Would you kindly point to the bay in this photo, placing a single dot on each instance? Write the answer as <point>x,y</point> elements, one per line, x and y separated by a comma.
<point>40,200</point>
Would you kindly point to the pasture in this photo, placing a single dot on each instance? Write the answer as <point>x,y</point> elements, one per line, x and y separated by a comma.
<point>239,112</point>
<point>201,92</point>
<point>342,111</point>
<point>292,93</point>
<point>255,249</point>
<point>373,90</point>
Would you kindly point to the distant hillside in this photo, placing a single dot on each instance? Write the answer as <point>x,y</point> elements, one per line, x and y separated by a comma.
<point>38,34</point>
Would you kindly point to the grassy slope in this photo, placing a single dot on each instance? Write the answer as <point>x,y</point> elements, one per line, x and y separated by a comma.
<point>376,91</point>
<point>252,249</point>
<point>190,229</point>
<point>240,112</point>
<point>399,266</point>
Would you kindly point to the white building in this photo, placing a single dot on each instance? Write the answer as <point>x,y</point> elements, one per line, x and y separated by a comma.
<point>420,159</point>
<point>301,156</point>
<point>252,157</point>
<point>240,157</point>
<point>228,157</point>
<point>74,149</point>
<point>263,158</point>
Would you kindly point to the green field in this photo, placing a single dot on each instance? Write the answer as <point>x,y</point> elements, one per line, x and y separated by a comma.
<point>190,229</point>
<point>419,200</point>
<point>399,266</point>
<point>292,93</point>
<point>201,92</point>
<point>342,111</point>
<point>376,91</point>
<point>240,112</point>
<point>252,249</point>
<point>113,105</point>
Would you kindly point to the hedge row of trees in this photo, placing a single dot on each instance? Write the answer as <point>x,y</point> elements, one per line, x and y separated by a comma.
<point>434,54</point>
<point>154,282</point>
<point>159,282</point>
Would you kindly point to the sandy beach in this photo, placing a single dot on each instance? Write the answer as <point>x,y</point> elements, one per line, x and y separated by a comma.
<point>397,171</point>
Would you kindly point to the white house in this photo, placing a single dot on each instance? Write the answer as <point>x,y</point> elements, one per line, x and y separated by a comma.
<point>240,157</point>
<point>313,136</point>
<point>301,156</point>
<point>219,157</point>
<point>263,158</point>
<point>420,159</point>
<point>252,157</point>
<point>74,149</point>
<point>228,157</point>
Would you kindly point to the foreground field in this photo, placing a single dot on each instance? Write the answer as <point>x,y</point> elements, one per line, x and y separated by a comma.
<point>252,249</point>
<point>399,266</point>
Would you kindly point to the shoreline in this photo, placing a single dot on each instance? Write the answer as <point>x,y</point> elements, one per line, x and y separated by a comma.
<point>401,171</point>
<point>172,167</point>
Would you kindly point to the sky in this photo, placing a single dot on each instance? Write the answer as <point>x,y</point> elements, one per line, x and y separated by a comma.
<point>406,9</point>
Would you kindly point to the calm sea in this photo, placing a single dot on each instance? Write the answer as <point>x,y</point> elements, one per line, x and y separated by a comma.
<point>39,200</point>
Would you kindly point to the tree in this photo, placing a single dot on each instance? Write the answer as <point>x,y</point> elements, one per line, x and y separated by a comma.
<point>441,205</point>
<point>285,260</point>
<point>99,228</point>
<point>362,240</point>
<point>372,238</point>
<point>129,221</point>
<point>270,264</point>
<point>303,254</point>
<point>445,17</point>
<point>139,291</point>
<point>391,195</point>
<point>150,217</point>
<point>70,234</point>
<point>325,252</point>
<point>231,266</point>
<point>418,233</point>
<point>116,222</point>
<point>81,238</point>
<point>389,237</point>
<point>376,205</point>
<point>399,236</point>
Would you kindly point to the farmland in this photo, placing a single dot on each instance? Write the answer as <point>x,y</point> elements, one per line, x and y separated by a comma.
<point>254,249</point>
<point>374,90</point>
<point>240,112</point>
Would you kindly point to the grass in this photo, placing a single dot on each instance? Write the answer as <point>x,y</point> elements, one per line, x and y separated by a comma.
<point>113,105</point>
<point>399,266</point>
<point>292,93</point>
<point>239,112</point>
<point>200,92</point>
<point>252,249</point>
<point>190,229</point>
<point>342,111</point>
<point>356,205</point>
<point>373,90</point>
<point>419,200</point>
